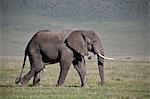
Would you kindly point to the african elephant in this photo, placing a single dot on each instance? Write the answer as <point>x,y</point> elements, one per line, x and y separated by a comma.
<point>65,47</point>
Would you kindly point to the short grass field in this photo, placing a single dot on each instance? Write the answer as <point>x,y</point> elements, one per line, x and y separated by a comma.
<point>124,80</point>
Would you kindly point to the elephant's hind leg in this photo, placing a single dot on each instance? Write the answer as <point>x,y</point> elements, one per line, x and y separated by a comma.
<point>65,63</point>
<point>27,77</point>
<point>36,79</point>
<point>36,66</point>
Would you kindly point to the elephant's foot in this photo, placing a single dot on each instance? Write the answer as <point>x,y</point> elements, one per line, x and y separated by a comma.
<point>36,80</point>
<point>85,85</point>
<point>37,84</point>
<point>24,82</point>
<point>60,82</point>
<point>59,85</point>
<point>101,83</point>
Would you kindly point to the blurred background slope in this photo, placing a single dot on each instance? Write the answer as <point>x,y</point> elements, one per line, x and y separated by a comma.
<point>123,25</point>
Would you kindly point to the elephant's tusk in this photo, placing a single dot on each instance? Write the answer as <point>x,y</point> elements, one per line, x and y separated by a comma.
<point>105,57</point>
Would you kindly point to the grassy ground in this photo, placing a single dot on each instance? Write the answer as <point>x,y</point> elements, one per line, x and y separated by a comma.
<point>124,80</point>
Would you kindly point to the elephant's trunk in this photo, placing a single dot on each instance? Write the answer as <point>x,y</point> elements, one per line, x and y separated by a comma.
<point>101,68</point>
<point>100,57</point>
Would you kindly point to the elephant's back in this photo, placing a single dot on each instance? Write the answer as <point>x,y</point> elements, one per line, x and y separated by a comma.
<point>53,36</point>
<point>48,37</point>
<point>64,34</point>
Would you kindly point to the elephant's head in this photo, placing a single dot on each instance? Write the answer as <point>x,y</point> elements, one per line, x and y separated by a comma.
<point>83,41</point>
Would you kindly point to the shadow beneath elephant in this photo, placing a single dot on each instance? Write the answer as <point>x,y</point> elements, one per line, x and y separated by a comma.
<point>72,86</point>
<point>69,86</point>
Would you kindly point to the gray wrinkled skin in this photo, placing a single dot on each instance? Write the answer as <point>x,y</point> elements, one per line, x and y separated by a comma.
<point>66,47</point>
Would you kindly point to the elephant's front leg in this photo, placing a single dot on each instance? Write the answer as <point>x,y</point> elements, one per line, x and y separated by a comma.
<point>65,63</point>
<point>79,65</point>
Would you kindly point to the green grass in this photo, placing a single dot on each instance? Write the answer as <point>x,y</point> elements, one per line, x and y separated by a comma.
<point>124,80</point>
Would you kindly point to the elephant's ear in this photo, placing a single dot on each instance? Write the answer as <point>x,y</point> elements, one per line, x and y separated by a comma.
<point>77,42</point>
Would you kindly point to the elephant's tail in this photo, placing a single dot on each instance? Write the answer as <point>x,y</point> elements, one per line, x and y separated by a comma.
<point>20,76</point>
